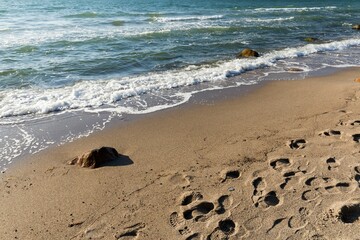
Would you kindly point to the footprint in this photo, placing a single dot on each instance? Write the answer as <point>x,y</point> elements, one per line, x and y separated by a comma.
<point>357,179</point>
<point>310,195</point>
<point>190,198</point>
<point>316,181</point>
<point>297,144</point>
<point>355,123</point>
<point>271,199</point>
<point>350,213</point>
<point>330,133</point>
<point>179,179</point>
<point>280,163</point>
<point>195,236</point>
<point>356,138</point>
<point>225,228</point>
<point>259,184</point>
<point>293,173</point>
<point>175,220</point>
<point>130,232</point>
<point>199,210</point>
<point>297,222</point>
<point>343,186</point>
<point>184,231</point>
<point>253,224</point>
<point>332,164</point>
<point>230,174</point>
<point>224,202</point>
<point>284,184</point>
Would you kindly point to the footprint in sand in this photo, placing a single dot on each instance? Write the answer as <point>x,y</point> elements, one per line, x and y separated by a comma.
<point>253,224</point>
<point>190,198</point>
<point>297,144</point>
<point>131,232</point>
<point>299,220</point>
<point>317,181</point>
<point>332,164</point>
<point>280,163</point>
<point>198,210</point>
<point>341,187</point>
<point>351,123</point>
<point>224,229</point>
<point>224,202</point>
<point>350,213</point>
<point>194,236</point>
<point>230,174</point>
<point>310,195</point>
<point>179,180</point>
<point>195,211</point>
<point>259,185</point>
<point>356,138</point>
<point>271,199</point>
<point>328,133</point>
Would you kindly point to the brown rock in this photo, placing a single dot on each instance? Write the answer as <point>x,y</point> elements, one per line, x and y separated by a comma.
<point>95,157</point>
<point>247,52</point>
<point>356,27</point>
<point>357,80</point>
<point>311,39</point>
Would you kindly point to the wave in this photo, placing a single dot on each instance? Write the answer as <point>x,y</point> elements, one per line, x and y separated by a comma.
<point>107,93</point>
<point>293,9</point>
<point>269,20</point>
<point>188,18</point>
<point>83,15</point>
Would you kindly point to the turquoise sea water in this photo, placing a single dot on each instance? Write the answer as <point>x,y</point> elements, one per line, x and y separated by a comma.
<point>139,56</point>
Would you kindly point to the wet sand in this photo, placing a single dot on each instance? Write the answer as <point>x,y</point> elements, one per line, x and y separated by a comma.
<point>279,162</point>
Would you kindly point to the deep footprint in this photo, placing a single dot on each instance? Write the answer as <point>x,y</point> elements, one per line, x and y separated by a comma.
<point>232,174</point>
<point>331,163</point>
<point>297,144</point>
<point>199,210</point>
<point>280,163</point>
<point>330,133</point>
<point>174,219</point>
<point>355,123</point>
<point>194,196</point>
<point>350,213</point>
<point>227,226</point>
<point>271,199</point>
<point>224,202</point>
<point>356,138</point>
<point>195,236</point>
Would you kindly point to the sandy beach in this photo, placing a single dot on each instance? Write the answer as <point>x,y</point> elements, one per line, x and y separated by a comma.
<point>280,162</point>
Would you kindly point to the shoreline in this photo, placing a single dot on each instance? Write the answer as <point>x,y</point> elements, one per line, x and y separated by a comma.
<point>41,130</point>
<point>220,150</point>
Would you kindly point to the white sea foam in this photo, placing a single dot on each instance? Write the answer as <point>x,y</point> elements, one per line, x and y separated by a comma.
<point>294,9</point>
<point>107,93</point>
<point>269,20</point>
<point>188,18</point>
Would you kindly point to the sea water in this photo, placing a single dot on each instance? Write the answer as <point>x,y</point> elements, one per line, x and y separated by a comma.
<point>107,58</point>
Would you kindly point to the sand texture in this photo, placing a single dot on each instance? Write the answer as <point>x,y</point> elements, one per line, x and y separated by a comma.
<point>281,162</point>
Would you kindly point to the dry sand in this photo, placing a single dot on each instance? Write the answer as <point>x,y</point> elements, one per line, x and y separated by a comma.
<point>282,162</point>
